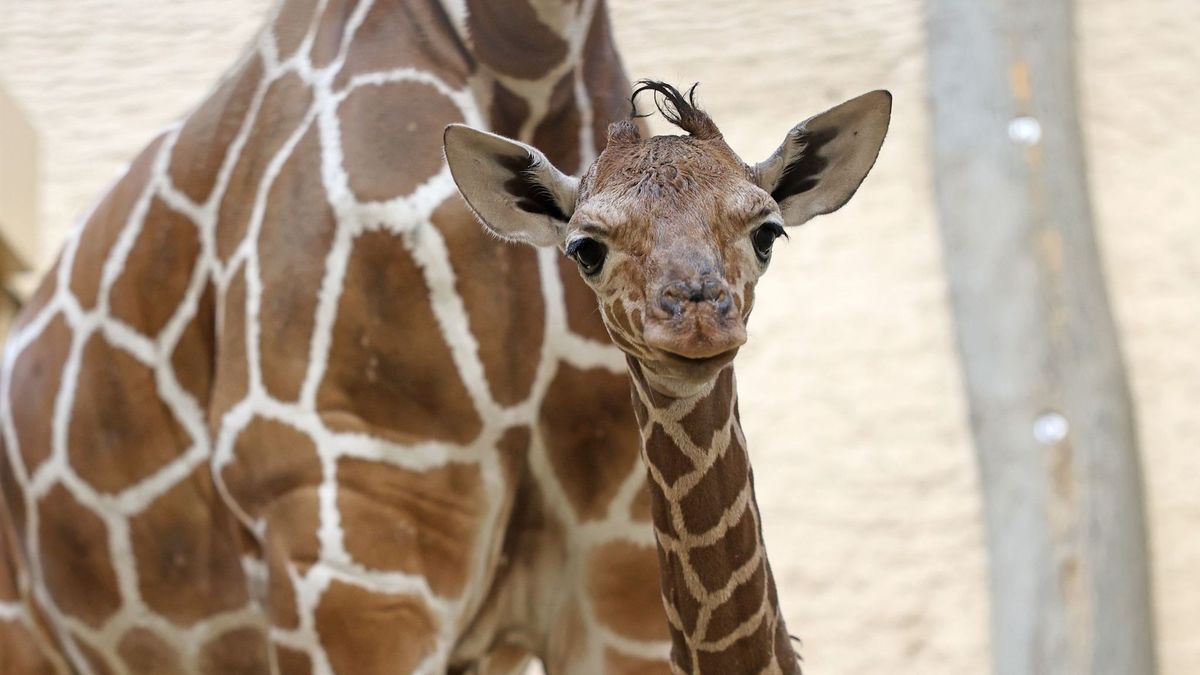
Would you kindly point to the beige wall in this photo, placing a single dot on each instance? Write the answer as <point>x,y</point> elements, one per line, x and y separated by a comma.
<point>18,182</point>
<point>850,388</point>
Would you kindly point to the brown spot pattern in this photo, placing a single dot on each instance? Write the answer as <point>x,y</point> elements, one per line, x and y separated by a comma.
<point>557,134</point>
<point>297,232</point>
<point>19,652</point>
<point>12,498</point>
<point>192,360</point>
<point>718,488</point>
<point>205,138</point>
<point>414,33</point>
<point>239,652</point>
<point>509,38</point>
<point>622,581</point>
<point>388,361</point>
<point>604,77</point>
<point>679,653</point>
<point>232,378</point>
<point>9,592</point>
<point>36,377</point>
<point>715,563</point>
<point>271,460</point>
<point>710,414</point>
<point>158,270</point>
<point>417,522</point>
<point>359,630</point>
<point>660,510</point>
<point>292,525</point>
<point>286,101</point>
<point>508,112</point>
<point>105,224</point>
<point>75,562</point>
<point>292,662</point>
<point>501,290</point>
<point>590,435</point>
<point>677,593</point>
<point>187,556</point>
<point>743,656</point>
<point>388,122</point>
<point>144,653</point>
<point>665,456</point>
<point>745,600</point>
<point>330,31</point>
<point>121,432</point>
<point>583,316</point>
<point>291,25</point>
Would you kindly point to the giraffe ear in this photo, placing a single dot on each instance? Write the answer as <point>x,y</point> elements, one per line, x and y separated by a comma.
<point>514,190</point>
<point>825,158</point>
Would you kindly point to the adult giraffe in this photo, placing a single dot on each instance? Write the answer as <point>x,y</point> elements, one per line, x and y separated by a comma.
<point>282,405</point>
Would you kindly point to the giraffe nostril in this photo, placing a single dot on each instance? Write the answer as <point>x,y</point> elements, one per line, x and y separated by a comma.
<point>675,296</point>
<point>724,303</point>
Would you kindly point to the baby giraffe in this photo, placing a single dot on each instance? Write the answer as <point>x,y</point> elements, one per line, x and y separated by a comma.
<point>672,233</point>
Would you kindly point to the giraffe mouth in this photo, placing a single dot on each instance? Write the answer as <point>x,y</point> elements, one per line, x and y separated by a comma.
<point>709,362</point>
<point>700,344</point>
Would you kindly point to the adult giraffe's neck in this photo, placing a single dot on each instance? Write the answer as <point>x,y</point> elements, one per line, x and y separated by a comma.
<point>716,582</point>
<point>548,72</point>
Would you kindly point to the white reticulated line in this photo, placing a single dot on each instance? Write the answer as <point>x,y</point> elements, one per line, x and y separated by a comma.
<point>12,611</point>
<point>121,335</point>
<point>428,250</point>
<point>642,649</point>
<point>587,140</point>
<point>254,284</point>
<point>585,354</point>
<point>340,199</point>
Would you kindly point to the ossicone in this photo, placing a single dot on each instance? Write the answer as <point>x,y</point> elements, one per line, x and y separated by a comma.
<point>678,108</point>
<point>624,132</point>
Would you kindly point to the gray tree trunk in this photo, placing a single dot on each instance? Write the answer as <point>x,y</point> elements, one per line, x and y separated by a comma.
<point>1050,407</point>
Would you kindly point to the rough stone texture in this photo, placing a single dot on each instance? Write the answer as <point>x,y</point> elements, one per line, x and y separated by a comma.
<point>850,389</point>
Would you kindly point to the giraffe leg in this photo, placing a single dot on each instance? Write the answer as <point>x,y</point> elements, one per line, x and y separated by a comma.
<point>369,564</point>
<point>332,612</point>
<point>504,659</point>
<point>610,618</point>
<point>613,621</point>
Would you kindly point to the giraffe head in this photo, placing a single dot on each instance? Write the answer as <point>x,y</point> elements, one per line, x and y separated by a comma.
<point>671,232</point>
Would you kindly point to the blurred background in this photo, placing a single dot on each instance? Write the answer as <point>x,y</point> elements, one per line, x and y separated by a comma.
<point>851,390</point>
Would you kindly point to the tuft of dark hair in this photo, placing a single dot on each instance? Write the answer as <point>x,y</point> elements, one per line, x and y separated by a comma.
<point>678,108</point>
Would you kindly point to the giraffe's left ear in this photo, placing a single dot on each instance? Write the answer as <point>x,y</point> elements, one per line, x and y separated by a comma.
<point>516,192</point>
<point>825,158</point>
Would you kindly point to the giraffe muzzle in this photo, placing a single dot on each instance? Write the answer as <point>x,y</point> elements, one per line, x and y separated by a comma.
<point>694,321</point>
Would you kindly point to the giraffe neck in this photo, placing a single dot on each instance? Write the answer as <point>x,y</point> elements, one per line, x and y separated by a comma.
<point>716,581</point>
<point>545,69</point>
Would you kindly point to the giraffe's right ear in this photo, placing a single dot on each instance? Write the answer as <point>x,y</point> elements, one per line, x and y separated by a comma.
<point>516,192</point>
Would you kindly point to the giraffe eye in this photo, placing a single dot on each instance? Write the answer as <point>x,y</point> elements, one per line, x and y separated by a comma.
<point>764,238</point>
<point>589,253</point>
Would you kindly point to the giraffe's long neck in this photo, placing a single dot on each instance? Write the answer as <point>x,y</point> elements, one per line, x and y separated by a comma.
<point>716,580</point>
<point>547,70</point>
